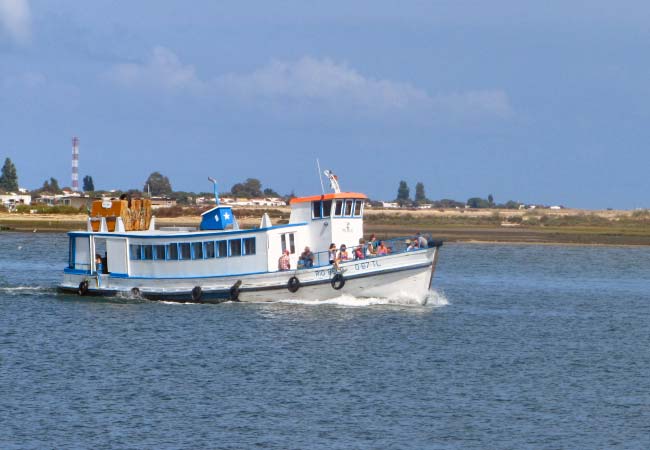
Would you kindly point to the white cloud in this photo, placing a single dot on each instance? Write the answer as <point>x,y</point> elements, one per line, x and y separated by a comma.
<point>308,82</point>
<point>321,80</point>
<point>162,70</point>
<point>15,17</point>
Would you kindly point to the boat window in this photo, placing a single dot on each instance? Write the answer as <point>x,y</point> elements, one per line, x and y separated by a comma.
<point>357,207</point>
<point>292,243</point>
<point>197,250</point>
<point>185,251</point>
<point>348,207</point>
<point>148,252</point>
<point>71,254</point>
<point>249,246</point>
<point>327,208</point>
<point>222,249</point>
<point>172,251</point>
<point>316,210</point>
<point>283,238</point>
<point>235,247</point>
<point>208,249</point>
<point>339,208</point>
<point>134,250</point>
<point>158,252</point>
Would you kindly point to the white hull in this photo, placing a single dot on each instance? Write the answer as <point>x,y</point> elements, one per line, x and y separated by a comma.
<point>383,277</point>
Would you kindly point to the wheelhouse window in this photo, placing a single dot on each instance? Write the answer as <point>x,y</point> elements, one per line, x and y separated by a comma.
<point>208,249</point>
<point>235,247</point>
<point>172,251</point>
<point>348,207</point>
<point>249,246</point>
<point>148,252</point>
<point>197,250</point>
<point>316,210</point>
<point>358,207</point>
<point>327,208</point>
<point>222,249</point>
<point>338,209</point>
<point>185,250</point>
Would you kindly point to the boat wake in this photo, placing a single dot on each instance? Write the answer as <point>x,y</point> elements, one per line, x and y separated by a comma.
<point>431,299</point>
<point>26,290</point>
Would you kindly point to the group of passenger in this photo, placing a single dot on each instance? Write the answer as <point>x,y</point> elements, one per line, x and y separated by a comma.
<point>337,255</point>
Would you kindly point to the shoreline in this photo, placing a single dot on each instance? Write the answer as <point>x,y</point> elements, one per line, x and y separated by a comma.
<point>614,235</point>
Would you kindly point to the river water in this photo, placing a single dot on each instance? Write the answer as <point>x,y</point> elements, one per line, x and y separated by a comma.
<point>518,347</point>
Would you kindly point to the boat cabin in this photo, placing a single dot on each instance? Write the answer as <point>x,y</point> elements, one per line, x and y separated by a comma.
<point>130,246</point>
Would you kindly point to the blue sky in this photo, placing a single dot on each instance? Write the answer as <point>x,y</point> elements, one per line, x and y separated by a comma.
<point>533,101</point>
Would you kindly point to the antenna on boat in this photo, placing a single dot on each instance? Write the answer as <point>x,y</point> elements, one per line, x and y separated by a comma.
<point>320,175</point>
<point>214,185</point>
<point>334,180</point>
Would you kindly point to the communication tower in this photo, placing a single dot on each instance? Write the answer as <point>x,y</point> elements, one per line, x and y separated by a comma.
<point>75,164</point>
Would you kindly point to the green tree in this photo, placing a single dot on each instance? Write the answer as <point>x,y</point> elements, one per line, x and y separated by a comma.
<point>250,188</point>
<point>51,186</point>
<point>403,193</point>
<point>88,184</point>
<point>157,184</point>
<point>9,178</point>
<point>268,192</point>
<point>477,202</point>
<point>420,196</point>
<point>491,200</point>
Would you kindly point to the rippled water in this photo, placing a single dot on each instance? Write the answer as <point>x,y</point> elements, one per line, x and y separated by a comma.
<point>519,347</point>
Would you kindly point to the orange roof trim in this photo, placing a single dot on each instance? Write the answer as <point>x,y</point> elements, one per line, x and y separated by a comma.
<point>315,198</point>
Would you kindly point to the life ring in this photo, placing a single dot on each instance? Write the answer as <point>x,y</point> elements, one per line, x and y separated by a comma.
<point>293,284</point>
<point>135,292</point>
<point>338,281</point>
<point>197,293</point>
<point>234,291</point>
<point>83,288</point>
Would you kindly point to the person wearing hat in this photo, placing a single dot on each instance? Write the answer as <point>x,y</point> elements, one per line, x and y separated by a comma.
<point>283,262</point>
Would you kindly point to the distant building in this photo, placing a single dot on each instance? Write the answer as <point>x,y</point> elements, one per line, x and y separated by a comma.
<point>75,200</point>
<point>11,200</point>
<point>162,202</point>
<point>425,206</point>
<point>555,207</point>
<point>389,205</point>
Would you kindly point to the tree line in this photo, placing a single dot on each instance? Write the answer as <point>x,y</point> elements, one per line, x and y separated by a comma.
<point>159,185</point>
<point>420,198</point>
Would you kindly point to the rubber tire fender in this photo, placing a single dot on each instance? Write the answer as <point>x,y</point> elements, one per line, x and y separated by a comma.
<point>83,288</point>
<point>338,281</point>
<point>197,293</point>
<point>293,284</point>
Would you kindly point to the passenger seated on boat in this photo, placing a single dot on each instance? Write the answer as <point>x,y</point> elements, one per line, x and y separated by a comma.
<point>283,262</point>
<point>343,253</point>
<point>306,258</point>
<point>332,253</point>
<point>358,252</point>
<point>370,250</point>
<point>410,245</point>
<point>382,249</point>
<point>373,242</point>
<point>422,242</point>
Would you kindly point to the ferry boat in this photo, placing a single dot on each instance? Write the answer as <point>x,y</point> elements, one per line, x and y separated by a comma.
<point>122,253</point>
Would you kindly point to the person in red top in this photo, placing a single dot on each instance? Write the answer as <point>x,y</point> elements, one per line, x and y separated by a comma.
<point>283,262</point>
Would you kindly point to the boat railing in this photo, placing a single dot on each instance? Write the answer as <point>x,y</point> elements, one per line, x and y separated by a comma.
<point>393,246</point>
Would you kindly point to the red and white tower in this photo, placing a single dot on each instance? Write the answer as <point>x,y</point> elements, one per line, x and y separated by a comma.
<point>75,164</point>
